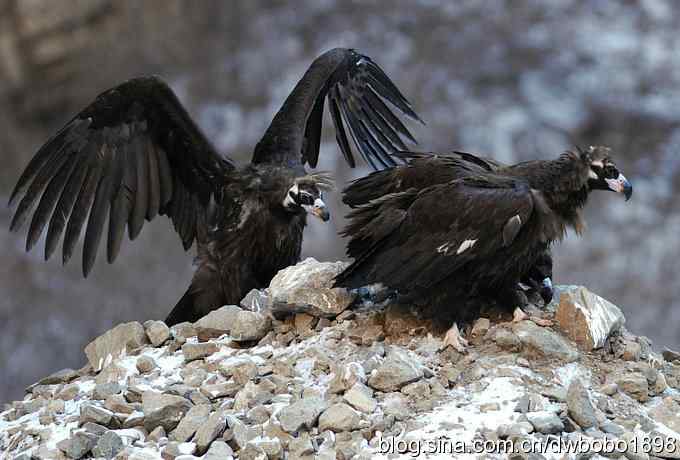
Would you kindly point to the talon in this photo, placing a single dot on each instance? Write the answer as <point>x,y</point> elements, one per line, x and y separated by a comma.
<point>454,339</point>
<point>519,315</point>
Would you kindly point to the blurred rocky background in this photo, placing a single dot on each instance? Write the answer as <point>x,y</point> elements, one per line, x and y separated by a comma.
<point>515,80</point>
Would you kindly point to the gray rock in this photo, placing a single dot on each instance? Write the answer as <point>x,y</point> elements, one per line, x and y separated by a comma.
<point>339,417</point>
<point>157,434</point>
<point>146,364</point>
<point>666,411</point>
<point>670,355</point>
<point>397,370</point>
<point>301,415</point>
<point>634,385</point>
<point>62,376</point>
<point>544,341</point>
<point>241,368</point>
<point>579,405</point>
<point>117,403</point>
<point>308,288</point>
<point>178,450</point>
<point>506,339</point>
<point>114,343</point>
<point>219,450</point>
<point>194,351</point>
<point>243,433</point>
<point>157,332</point>
<point>209,431</point>
<point>587,318</point>
<point>545,422</point>
<point>104,390</point>
<point>249,325</point>
<point>190,423</point>
<point>95,414</point>
<point>163,410</point>
<point>361,398</point>
<point>396,404</point>
<point>182,331</point>
<point>108,445</point>
<point>256,300</point>
<point>271,447</point>
<point>221,319</point>
<point>612,428</point>
<point>78,445</point>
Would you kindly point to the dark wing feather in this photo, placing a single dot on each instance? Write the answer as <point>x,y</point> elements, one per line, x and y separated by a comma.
<point>132,154</point>
<point>356,88</point>
<point>423,242</point>
<point>421,171</point>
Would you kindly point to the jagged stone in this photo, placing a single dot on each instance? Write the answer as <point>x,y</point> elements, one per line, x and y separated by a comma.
<point>78,445</point>
<point>256,300</point>
<point>108,445</point>
<point>158,332</point>
<point>163,410</point>
<point>62,376</point>
<point>190,423</point>
<point>146,364</point>
<point>302,414</point>
<point>361,397</point>
<point>209,430</point>
<point>249,326</point>
<point>219,450</point>
<point>119,340</point>
<point>580,407</point>
<point>95,414</point>
<point>634,385</point>
<point>194,351</point>
<point>397,370</point>
<point>544,341</point>
<point>308,288</point>
<point>182,331</point>
<point>221,319</point>
<point>587,318</point>
<point>339,417</point>
<point>545,422</point>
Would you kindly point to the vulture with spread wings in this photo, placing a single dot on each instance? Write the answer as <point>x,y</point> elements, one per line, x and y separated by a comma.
<point>135,153</point>
<point>474,236</point>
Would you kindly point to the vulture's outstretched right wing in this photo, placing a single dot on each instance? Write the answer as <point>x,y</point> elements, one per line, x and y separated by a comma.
<point>132,154</point>
<point>357,90</point>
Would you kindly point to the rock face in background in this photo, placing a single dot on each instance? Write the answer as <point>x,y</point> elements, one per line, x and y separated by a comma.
<point>311,388</point>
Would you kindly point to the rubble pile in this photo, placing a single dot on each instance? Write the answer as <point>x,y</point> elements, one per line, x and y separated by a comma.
<point>327,381</point>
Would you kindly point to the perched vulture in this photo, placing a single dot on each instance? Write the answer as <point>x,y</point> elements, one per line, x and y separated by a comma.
<point>135,153</point>
<point>474,236</point>
<point>425,170</point>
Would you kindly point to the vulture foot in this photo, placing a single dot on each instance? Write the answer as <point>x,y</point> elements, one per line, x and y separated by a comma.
<point>519,315</point>
<point>454,339</point>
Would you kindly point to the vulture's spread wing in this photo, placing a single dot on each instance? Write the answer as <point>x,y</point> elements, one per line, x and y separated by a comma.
<point>418,239</point>
<point>421,171</point>
<point>357,91</point>
<point>130,155</point>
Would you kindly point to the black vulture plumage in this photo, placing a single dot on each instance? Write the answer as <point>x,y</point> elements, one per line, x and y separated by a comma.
<point>423,170</point>
<point>475,236</point>
<point>135,153</point>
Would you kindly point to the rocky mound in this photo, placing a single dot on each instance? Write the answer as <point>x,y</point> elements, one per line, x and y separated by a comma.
<point>260,382</point>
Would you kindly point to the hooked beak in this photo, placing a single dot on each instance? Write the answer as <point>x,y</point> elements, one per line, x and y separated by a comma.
<point>620,185</point>
<point>320,210</point>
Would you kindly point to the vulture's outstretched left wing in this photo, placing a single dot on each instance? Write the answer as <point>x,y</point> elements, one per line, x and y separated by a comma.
<point>356,89</point>
<point>130,155</point>
<point>418,242</point>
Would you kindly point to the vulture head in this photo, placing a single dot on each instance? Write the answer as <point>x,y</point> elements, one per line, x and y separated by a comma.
<point>306,195</point>
<point>603,174</point>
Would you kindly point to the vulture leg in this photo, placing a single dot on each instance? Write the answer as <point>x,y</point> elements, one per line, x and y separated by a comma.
<point>455,339</point>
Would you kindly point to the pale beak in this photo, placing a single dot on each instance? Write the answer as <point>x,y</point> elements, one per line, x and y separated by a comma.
<point>620,185</point>
<point>320,210</point>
